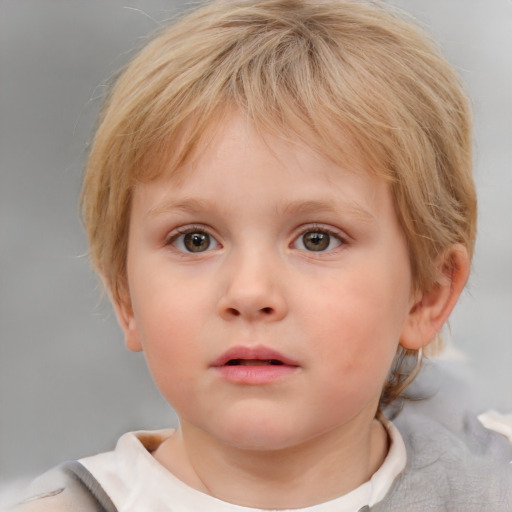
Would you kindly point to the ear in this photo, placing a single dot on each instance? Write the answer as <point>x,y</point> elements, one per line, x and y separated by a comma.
<point>432,308</point>
<point>126,319</point>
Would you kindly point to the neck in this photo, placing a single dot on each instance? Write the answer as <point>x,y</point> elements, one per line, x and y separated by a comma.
<point>295,477</point>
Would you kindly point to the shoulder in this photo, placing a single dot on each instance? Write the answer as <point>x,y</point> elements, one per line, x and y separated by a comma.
<point>456,464</point>
<point>68,487</point>
<point>461,470</point>
<point>93,483</point>
<point>453,461</point>
<point>57,500</point>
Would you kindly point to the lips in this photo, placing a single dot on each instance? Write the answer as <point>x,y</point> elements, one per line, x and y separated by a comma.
<point>253,356</point>
<point>254,365</point>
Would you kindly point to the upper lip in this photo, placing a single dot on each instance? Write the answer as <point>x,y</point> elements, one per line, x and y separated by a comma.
<point>253,353</point>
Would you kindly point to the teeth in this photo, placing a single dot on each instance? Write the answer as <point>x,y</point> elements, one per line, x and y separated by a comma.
<point>253,362</point>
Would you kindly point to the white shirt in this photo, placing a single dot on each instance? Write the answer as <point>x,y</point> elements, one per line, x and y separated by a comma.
<point>136,482</point>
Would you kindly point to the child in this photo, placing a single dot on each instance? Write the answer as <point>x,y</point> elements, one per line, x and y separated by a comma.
<point>279,200</point>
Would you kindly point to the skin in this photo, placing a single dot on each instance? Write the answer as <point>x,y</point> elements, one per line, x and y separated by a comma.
<point>339,314</point>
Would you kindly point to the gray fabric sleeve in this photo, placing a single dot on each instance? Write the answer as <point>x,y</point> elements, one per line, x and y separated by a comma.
<point>67,487</point>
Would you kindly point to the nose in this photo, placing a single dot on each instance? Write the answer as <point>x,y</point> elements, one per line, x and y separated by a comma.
<point>252,290</point>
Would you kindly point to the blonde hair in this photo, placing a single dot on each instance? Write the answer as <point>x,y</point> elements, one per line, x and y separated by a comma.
<point>315,71</point>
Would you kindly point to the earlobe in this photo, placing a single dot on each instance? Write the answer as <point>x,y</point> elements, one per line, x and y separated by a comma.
<point>432,308</point>
<point>128,325</point>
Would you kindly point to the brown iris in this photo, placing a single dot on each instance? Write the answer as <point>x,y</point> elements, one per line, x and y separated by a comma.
<point>197,241</point>
<point>316,240</point>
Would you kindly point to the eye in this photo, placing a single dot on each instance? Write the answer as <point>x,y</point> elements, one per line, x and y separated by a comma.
<point>317,240</point>
<point>193,241</point>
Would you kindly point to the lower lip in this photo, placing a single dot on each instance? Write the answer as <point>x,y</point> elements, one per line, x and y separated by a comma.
<point>255,374</point>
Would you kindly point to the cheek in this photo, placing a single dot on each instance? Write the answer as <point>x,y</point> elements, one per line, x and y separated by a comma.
<point>168,322</point>
<point>168,343</point>
<point>359,322</point>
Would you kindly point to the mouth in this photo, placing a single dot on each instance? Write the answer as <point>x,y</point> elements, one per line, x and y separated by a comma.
<point>254,362</point>
<point>254,355</point>
<point>254,365</point>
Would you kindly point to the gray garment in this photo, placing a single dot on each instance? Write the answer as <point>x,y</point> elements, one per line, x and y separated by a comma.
<point>68,487</point>
<point>467,470</point>
<point>453,463</point>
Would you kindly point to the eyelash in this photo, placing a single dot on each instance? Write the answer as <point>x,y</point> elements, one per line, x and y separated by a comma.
<point>315,228</point>
<point>179,232</point>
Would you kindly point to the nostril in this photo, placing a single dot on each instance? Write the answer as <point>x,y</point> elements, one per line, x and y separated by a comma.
<point>249,311</point>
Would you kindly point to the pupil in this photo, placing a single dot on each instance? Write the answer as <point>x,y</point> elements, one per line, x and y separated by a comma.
<point>316,240</point>
<point>197,242</point>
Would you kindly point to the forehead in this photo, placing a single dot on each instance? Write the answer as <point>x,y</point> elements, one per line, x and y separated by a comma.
<point>231,132</point>
<point>176,156</point>
<point>235,156</point>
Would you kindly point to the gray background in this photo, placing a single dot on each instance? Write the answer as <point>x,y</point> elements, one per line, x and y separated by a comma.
<point>68,387</point>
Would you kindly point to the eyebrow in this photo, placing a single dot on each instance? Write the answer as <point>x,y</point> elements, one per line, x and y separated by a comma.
<point>298,207</point>
<point>312,206</point>
<point>186,205</point>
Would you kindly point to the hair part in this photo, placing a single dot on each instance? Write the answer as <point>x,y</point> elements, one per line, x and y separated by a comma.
<point>309,71</point>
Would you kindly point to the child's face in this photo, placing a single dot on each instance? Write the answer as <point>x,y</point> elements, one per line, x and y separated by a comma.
<point>269,289</point>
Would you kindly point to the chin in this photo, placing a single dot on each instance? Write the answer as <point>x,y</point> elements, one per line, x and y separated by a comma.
<point>262,435</point>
